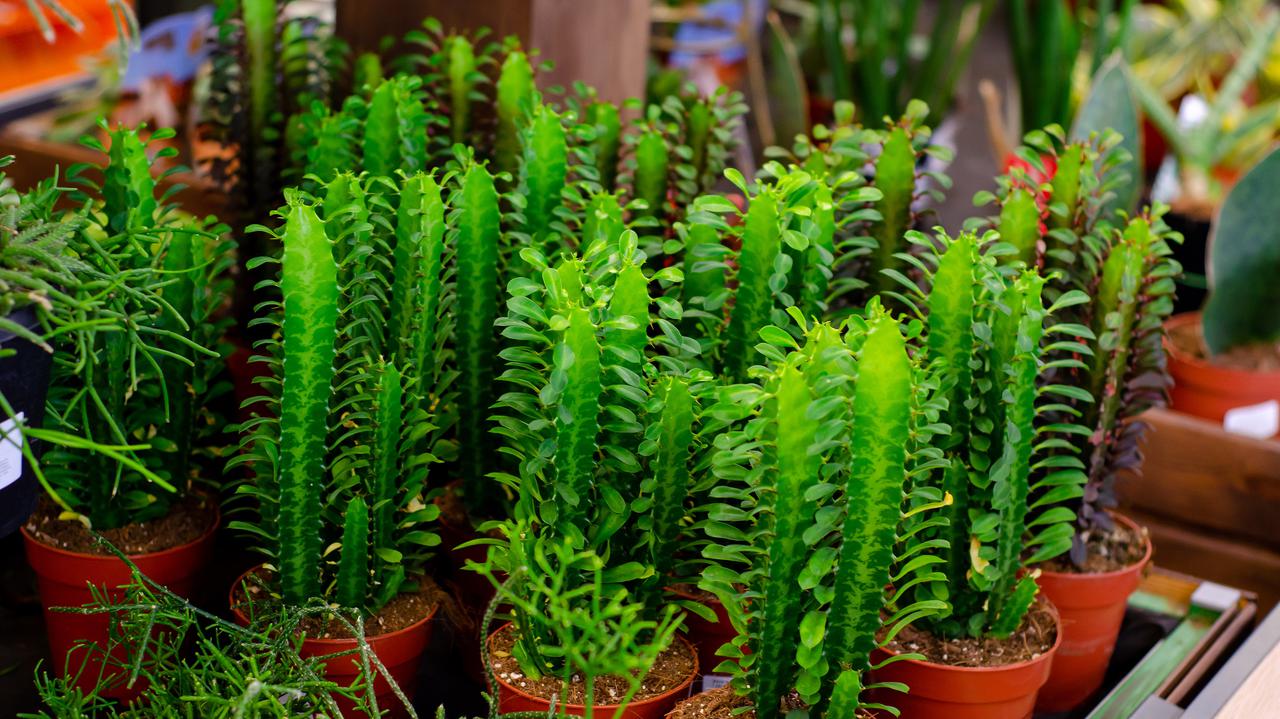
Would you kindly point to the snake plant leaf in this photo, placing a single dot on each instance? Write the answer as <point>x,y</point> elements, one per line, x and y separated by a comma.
<point>1111,105</point>
<point>1244,258</point>
<point>308,285</point>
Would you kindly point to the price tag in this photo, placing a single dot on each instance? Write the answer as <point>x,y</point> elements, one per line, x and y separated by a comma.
<point>714,681</point>
<point>1260,421</point>
<point>10,450</point>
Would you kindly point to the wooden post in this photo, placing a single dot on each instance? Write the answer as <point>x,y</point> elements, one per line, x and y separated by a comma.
<point>603,43</point>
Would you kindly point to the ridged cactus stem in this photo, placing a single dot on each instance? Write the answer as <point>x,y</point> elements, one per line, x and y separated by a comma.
<point>653,162</point>
<point>1011,473</point>
<point>461,68</point>
<point>476,238</point>
<point>874,494</point>
<point>515,98</point>
<point>671,474</point>
<point>605,118</point>
<point>385,472</point>
<point>895,177</point>
<point>578,421</point>
<point>544,173</point>
<point>1020,226</point>
<point>309,288</point>
<point>791,515</point>
<point>352,583</point>
<point>761,243</point>
<point>418,274</point>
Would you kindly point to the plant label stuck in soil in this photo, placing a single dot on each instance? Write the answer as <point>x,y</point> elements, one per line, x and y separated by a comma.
<point>10,450</point>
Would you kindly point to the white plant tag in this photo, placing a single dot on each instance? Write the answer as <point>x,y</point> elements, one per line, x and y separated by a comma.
<point>1260,421</point>
<point>714,681</point>
<point>10,450</point>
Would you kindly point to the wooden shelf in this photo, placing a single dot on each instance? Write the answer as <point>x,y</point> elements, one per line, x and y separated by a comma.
<point>1211,501</point>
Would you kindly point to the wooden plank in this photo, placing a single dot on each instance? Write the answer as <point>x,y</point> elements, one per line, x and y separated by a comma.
<point>1225,561</point>
<point>1196,473</point>
<point>364,24</point>
<point>1259,696</point>
<point>1228,682</point>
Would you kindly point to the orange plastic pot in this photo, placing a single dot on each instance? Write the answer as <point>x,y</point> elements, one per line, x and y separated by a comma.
<point>939,691</point>
<point>399,651</point>
<point>1205,390</point>
<point>1091,608</point>
<point>511,699</point>
<point>63,579</point>
<point>706,637</point>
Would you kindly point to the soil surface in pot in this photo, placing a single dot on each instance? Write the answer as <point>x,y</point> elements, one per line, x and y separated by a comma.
<point>185,522</point>
<point>721,703</point>
<point>406,609</point>
<point>672,668</point>
<point>1264,357</point>
<point>1108,551</point>
<point>1035,637</point>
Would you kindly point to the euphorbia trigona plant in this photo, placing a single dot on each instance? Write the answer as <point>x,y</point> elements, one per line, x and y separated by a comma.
<point>988,336</point>
<point>341,454</point>
<point>604,423</point>
<point>821,554</point>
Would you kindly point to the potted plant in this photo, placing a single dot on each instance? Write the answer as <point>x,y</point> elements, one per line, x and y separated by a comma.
<point>1225,358</point>
<point>231,670</point>
<point>344,440</point>
<point>1123,376</point>
<point>818,538</point>
<point>130,384</point>
<point>603,425</point>
<point>989,655</point>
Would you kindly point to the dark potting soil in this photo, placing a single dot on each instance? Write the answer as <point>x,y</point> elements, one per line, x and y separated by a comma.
<point>1035,637</point>
<point>1107,551</point>
<point>672,667</point>
<point>185,522</point>
<point>405,610</point>
<point>722,703</point>
<point>1264,357</point>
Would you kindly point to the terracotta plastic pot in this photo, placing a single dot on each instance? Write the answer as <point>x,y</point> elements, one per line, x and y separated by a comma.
<point>63,578</point>
<point>1091,607</point>
<point>706,637</point>
<point>1205,390</point>
<point>511,699</point>
<point>399,651</point>
<point>939,691</point>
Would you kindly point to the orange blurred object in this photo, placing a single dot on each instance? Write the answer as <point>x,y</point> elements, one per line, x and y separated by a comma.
<point>28,61</point>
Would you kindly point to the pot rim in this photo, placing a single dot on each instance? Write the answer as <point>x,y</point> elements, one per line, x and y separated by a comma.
<point>1044,657</point>
<point>244,618</point>
<point>205,535</point>
<point>1179,356</point>
<point>1138,565</point>
<point>682,687</point>
<point>712,602</point>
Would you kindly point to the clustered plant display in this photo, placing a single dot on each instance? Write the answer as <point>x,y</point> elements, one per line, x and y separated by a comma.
<point>133,384</point>
<point>843,430</point>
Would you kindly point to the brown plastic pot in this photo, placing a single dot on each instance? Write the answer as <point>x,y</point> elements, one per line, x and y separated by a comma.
<point>939,691</point>
<point>706,637</point>
<point>1205,390</point>
<point>399,651</point>
<point>1091,608</point>
<point>511,699</point>
<point>63,579</point>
